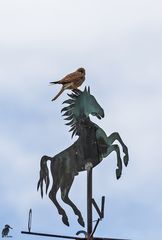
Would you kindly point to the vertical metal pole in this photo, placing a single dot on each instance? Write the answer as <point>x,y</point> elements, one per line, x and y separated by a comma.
<point>89,202</point>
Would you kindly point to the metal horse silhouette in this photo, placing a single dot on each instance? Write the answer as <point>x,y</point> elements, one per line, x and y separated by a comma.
<point>89,149</point>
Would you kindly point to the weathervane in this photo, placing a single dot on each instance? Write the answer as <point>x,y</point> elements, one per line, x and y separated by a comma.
<point>84,154</point>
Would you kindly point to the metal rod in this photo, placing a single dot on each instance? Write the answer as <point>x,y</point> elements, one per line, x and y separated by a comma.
<point>102,206</point>
<point>102,238</point>
<point>68,237</point>
<point>95,227</point>
<point>96,207</point>
<point>30,220</point>
<point>50,235</point>
<point>89,202</point>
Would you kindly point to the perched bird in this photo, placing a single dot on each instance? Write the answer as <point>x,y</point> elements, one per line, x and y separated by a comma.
<point>71,81</point>
<point>6,230</point>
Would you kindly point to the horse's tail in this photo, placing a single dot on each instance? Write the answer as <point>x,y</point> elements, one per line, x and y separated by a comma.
<point>44,174</point>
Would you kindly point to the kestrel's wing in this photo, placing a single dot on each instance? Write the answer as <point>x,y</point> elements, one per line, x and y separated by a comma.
<point>72,77</point>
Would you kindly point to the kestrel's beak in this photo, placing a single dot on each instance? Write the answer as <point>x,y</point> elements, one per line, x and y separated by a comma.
<point>50,83</point>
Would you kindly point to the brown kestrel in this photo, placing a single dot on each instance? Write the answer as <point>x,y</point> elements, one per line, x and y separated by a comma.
<point>71,81</point>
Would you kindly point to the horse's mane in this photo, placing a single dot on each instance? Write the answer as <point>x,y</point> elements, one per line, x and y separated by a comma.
<point>69,111</point>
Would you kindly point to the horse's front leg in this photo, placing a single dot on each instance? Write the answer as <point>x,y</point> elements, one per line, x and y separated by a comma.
<point>115,148</point>
<point>115,136</point>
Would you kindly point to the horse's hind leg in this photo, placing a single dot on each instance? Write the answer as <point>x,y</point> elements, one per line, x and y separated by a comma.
<point>115,136</point>
<point>52,196</point>
<point>65,188</point>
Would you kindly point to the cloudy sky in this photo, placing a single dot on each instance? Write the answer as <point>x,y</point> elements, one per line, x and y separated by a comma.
<point>119,45</point>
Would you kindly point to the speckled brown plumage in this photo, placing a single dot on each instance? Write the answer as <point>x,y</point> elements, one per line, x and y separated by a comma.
<point>71,81</point>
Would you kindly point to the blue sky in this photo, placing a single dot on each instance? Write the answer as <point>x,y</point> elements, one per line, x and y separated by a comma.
<point>119,45</point>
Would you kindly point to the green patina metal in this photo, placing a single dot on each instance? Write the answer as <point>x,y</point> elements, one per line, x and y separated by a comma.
<point>88,150</point>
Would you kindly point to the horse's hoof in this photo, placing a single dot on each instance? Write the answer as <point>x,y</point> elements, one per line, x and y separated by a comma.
<point>81,222</point>
<point>126,159</point>
<point>118,173</point>
<point>65,221</point>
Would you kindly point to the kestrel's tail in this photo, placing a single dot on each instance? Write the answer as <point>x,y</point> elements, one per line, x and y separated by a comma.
<point>59,93</point>
<point>55,82</point>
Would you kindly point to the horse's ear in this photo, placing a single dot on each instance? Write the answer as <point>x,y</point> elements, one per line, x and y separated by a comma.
<point>85,89</point>
<point>88,89</point>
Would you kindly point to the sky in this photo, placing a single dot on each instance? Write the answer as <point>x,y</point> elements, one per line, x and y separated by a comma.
<point>119,45</point>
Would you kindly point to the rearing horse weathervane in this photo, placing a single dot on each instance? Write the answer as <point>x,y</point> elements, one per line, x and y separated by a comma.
<point>85,153</point>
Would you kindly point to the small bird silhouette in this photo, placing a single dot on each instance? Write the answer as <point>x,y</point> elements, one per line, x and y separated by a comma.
<point>6,230</point>
<point>71,81</point>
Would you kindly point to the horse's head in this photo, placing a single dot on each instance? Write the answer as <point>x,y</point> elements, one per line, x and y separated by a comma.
<point>81,105</point>
<point>89,105</point>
